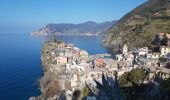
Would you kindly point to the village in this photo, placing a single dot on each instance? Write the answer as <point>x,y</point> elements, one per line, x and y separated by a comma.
<point>74,68</point>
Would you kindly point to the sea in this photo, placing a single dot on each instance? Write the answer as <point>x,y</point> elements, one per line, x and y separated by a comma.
<point>20,64</point>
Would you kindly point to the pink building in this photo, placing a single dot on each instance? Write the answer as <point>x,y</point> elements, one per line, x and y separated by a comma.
<point>100,63</point>
<point>61,60</point>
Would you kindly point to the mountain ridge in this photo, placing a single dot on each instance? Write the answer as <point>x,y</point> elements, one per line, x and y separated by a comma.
<point>86,28</point>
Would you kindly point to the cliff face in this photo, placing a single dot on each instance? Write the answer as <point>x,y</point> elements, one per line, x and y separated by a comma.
<point>139,27</point>
<point>50,84</point>
<point>74,29</point>
<point>60,80</point>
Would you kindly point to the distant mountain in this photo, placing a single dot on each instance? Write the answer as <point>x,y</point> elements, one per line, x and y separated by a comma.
<point>87,28</point>
<point>139,27</point>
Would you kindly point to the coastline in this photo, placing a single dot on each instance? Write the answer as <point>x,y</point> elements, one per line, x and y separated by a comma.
<point>49,83</point>
<point>47,34</point>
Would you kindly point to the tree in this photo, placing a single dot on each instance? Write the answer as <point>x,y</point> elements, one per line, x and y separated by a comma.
<point>131,88</point>
<point>85,91</point>
<point>123,80</point>
<point>137,75</point>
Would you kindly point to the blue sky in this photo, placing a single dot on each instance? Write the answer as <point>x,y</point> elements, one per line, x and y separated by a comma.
<point>28,15</point>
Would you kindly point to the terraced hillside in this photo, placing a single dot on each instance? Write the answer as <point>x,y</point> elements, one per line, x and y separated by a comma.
<point>139,27</point>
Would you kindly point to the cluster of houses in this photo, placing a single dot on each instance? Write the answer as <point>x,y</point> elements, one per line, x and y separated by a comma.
<point>70,63</point>
<point>77,67</point>
<point>143,57</point>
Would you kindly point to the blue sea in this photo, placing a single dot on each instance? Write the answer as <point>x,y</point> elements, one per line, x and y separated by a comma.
<point>20,64</point>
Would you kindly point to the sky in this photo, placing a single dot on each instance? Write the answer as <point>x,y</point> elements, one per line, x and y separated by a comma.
<point>19,16</point>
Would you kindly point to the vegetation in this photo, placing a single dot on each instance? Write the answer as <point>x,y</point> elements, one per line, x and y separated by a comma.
<point>140,26</point>
<point>85,91</point>
<point>124,79</point>
<point>133,89</point>
<point>136,76</point>
<point>131,85</point>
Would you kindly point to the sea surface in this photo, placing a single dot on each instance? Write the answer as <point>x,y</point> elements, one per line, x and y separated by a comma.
<point>20,64</point>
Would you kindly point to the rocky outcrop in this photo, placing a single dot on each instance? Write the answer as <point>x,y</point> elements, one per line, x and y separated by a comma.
<point>57,81</point>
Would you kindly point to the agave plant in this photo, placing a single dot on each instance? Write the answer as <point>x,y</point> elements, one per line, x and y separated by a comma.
<point>107,90</point>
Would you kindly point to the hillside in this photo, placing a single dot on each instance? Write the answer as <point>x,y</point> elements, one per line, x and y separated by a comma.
<point>139,27</point>
<point>75,29</point>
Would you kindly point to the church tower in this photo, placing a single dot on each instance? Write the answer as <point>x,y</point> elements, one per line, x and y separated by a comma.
<point>125,49</point>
